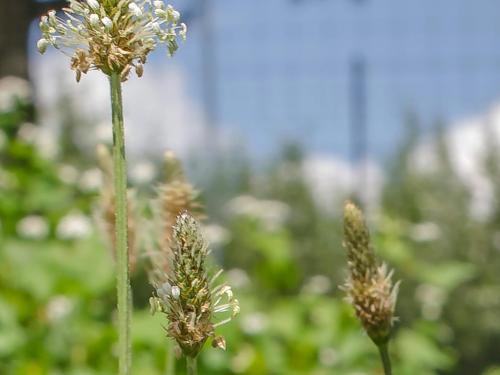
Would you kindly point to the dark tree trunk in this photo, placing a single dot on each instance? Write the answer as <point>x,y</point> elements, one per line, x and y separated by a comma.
<point>15,19</point>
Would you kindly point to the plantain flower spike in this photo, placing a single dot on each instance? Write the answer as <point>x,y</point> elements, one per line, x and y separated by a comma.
<point>368,286</point>
<point>176,195</point>
<point>113,36</point>
<point>189,298</point>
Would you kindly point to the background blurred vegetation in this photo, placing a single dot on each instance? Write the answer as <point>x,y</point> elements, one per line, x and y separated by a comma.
<point>283,253</point>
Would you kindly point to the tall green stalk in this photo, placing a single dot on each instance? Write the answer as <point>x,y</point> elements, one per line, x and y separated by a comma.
<point>192,366</point>
<point>170,356</point>
<point>386,360</point>
<point>121,215</point>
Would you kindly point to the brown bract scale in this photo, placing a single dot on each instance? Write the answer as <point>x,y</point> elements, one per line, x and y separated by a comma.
<point>113,36</point>
<point>368,286</point>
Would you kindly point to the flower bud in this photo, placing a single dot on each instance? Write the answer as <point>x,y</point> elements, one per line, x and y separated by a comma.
<point>94,4</point>
<point>156,27</point>
<point>94,19</point>
<point>183,32</point>
<point>42,45</point>
<point>106,21</point>
<point>158,4</point>
<point>176,292</point>
<point>52,18</point>
<point>135,10</point>
<point>173,15</point>
<point>139,70</point>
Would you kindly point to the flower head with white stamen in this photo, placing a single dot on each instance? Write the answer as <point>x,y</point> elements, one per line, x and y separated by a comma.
<point>113,36</point>
<point>193,302</point>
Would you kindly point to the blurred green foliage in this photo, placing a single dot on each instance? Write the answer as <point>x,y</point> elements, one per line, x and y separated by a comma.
<point>283,254</point>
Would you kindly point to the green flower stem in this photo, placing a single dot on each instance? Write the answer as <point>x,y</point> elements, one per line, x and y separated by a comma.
<point>192,366</point>
<point>121,215</point>
<point>170,358</point>
<point>386,360</point>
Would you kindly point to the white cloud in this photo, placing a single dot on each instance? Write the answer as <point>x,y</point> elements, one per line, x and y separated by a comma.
<point>159,112</point>
<point>467,145</point>
<point>332,179</point>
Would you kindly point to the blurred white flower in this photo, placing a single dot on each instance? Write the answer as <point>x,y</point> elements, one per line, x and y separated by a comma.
<point>238,278</point>
<point>28,132</point>
<point>215,235</point>
<point>243,359</point>
<point>44,139</point>
<point>331,178</point>
<point>254,323</point>
<point>104,133</point>
<point>432,299</point>
<point>424,232</point>
<point>273,214</point>
<point>73,226</point>
<point>67,174</point>
<point>33,227</point>
<point>91,180</point>
<point>11,90</point>
<point>47,143</point>
<point>58,307</point>
<point>328,356</point>
<point>317,285</point>
<point>143,173</point>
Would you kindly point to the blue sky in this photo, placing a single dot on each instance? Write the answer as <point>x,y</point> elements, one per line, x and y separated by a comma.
<point>282,67</point>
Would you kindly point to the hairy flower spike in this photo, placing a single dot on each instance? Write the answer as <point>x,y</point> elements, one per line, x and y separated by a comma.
<point>369,287</point>
<point>111,35</point>
<point>176,196</point>
<point>192,301</point>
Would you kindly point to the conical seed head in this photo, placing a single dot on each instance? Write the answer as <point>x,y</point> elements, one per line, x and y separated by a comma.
<point>361,257</point>
<point>175,197</point>
<point>189,298</point>
<point>368,286</point>
<point>190,314</point>
<point>173,167</point>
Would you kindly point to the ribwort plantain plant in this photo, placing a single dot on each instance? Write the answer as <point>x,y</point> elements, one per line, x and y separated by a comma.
<point>175,195</point>
<point>368,286</point>
<point>189,297</point>
<point>114,37</point>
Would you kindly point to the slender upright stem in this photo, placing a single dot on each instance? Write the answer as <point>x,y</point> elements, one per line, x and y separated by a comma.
<point>170,357</point>
<point>192,366</point>
<point>121,214</point>
<point>386,360</point>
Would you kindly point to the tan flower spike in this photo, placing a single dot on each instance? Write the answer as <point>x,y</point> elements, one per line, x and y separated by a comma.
<point>113,36</point>
<point>175,195</point>
<point>368,286</point>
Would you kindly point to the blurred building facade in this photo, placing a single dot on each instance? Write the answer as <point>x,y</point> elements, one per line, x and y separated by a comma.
<point>340,75</point>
